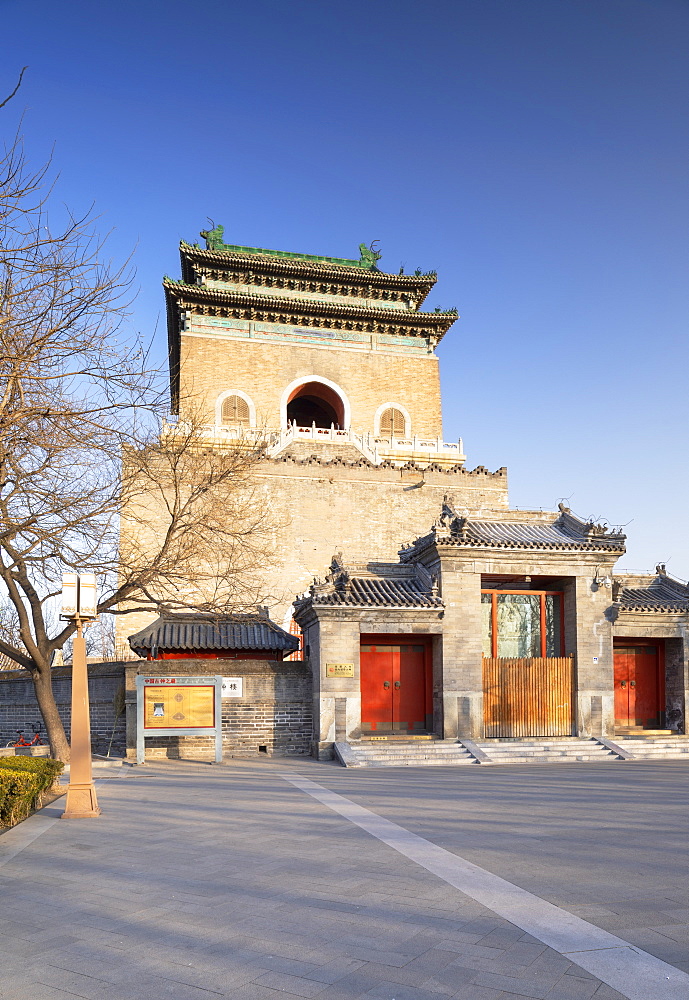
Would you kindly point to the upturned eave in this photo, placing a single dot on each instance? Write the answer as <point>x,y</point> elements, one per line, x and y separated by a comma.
<point>416,286</point>
<point>432,325</point>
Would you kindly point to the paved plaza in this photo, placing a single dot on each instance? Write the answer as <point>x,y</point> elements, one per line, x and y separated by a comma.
<point>266,879</point>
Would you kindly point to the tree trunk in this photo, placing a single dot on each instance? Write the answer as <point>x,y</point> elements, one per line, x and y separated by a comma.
<point>59,747</point>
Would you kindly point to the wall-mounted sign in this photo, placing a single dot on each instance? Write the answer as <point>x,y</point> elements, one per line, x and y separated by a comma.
<point>183,707</point>
<point>232,687</point>
<point>178,706</point>
<point>339,670</point>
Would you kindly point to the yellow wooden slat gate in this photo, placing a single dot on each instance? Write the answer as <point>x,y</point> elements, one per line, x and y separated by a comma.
<point>532,696</point>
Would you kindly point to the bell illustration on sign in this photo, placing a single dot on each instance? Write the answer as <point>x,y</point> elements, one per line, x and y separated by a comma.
<point>158,708</point>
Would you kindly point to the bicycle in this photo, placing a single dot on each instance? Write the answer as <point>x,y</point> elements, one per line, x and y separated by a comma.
<point>21,742</point>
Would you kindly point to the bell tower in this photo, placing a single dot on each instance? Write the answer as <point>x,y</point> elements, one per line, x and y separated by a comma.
<point>330,363</point>
<point>297,345</point>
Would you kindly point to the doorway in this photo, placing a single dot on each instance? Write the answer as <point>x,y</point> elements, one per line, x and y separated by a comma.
<point>396,691</point>
<point>639,685</point>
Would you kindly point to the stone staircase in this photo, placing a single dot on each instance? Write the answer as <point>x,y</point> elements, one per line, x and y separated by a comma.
<point>546,751</point>
<point>651,745</point>
<point>415,753</point>
<point>397,752</point>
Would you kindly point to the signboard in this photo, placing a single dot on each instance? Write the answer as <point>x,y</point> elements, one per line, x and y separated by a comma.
<point>232,687</point>
<point>178,706</point>
<point>187,707</point>
<point>339,670</point>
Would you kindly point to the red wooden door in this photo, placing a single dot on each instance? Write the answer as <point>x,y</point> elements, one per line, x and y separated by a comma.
<point>393,687</point>
<point>409,698</point>
<point>376,665</point>
<point>638,686</point>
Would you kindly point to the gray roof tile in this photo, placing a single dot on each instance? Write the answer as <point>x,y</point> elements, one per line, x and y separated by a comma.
<point>219,632</point>
<point>366,592</point>
<point>658,597</point>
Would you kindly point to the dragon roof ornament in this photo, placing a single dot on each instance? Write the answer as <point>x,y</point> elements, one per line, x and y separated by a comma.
<point>368,255</point>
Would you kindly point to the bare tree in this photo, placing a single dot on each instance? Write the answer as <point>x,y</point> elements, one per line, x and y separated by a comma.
<point>82,442</point>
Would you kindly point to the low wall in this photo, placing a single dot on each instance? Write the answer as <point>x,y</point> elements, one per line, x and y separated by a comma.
<point>19,708</point>
<point>273,716</point>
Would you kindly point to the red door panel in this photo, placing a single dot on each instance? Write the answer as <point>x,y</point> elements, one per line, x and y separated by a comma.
<point>410,710</point>
<point>376,663</point>
<point>393,687</point>
<point>638,686</point>
<point>622,661</point>
<point>644,687</point>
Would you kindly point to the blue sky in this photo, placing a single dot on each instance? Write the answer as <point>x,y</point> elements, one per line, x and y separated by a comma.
<point>534,152</point>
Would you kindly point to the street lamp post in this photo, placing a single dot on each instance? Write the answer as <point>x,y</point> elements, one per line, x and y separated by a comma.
<point>79,605</point>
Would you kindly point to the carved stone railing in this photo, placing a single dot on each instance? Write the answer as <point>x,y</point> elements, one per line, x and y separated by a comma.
<point>419,449</point>
<point>376,449</point>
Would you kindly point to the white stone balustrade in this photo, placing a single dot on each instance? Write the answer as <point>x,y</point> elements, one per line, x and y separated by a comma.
<point>419,449</point>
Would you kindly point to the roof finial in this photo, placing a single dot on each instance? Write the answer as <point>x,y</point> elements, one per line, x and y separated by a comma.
<point>213,236</point>
<point>369,255</point>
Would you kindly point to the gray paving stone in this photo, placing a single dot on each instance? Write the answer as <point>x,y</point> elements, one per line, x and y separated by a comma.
<point>453,976</point>
<point>474,992</point>
<point>291,984</point>
<point>213,901</point>
<point>510,984</point>
<point>573,988</point>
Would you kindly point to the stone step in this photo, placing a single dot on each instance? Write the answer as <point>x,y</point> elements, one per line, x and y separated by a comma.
<point>380,759</point>
<point>657,741</point>
<point>393,755</point>
<point>559,754</point>
<point>410,750</point>
<point>637,733</point>
<point>545,742</point>
<point>554,759</point>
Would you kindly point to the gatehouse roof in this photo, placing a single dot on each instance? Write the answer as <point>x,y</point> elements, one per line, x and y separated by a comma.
<point>377,592</point>
<point>659,593</point>
<point>564,532</point>
<point>206,632</point>
<point>398,588</point>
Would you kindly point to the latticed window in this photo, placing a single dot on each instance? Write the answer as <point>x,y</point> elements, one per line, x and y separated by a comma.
<point>392,423</point>
<point>235,412</point>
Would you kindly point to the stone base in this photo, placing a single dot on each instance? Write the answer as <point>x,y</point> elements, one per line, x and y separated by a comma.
<point>82,802</point>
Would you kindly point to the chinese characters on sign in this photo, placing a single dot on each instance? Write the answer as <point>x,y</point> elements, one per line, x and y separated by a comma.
<point>339,670</point>
<point>232,687</point>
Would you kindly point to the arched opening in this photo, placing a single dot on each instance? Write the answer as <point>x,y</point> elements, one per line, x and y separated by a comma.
<point>235,412</point>
<point>392,423</point>
<point>315,403</point>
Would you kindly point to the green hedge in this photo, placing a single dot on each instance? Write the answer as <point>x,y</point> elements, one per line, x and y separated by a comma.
<point>23,780</point>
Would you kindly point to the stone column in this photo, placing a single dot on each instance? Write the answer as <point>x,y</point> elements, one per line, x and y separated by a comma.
<point>462,667</point>
<point>594,657</point>
<point>337,700</point>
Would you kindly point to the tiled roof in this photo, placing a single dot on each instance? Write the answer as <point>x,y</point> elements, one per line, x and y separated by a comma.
<point>189,632</point>
<point>562,533</point>
<point>657,597</point>
<point>376,592</point>
<point>530,535</point>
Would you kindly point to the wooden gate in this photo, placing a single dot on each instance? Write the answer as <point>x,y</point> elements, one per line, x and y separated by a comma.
<point>533,696</point>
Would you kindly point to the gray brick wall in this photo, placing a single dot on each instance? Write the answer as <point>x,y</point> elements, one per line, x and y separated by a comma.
<point>19,708</point>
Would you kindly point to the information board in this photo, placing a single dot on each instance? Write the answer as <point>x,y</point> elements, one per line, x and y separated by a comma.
<point>188,707</point>
<point>178,706</point>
